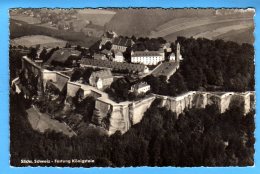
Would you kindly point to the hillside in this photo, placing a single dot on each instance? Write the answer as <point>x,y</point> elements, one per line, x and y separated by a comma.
<point>34,40</point>
<point>140,22</point>
<point>209,27</point>
<point>208,23</point>
<point>96,16</point>
<point>20,29</point>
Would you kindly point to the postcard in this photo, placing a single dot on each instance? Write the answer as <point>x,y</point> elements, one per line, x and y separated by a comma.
<point>132,87</point>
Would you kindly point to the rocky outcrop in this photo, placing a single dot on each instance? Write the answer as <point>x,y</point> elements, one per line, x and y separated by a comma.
<point>121,116</point>
<point>138,108</point>
<point>193,99</point>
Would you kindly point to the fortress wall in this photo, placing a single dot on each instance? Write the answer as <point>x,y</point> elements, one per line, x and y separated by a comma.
<point>92,93</point>
<point>121,116</point>
<point>180,103</point>
<point>119,120</point>
<point>252,100</point>
<point>213,99</point>
<point>247,103</point>
<point>61,80</point>
<point>200,100</point>
<point>72,89</point>
<point>139,108</point>
<point>243,101</point>
<point>48,75</point>
<point>102,110</point>
<point>225,102</point>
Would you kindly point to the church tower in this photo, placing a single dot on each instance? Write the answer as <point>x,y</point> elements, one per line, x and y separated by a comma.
<point>178,52</point>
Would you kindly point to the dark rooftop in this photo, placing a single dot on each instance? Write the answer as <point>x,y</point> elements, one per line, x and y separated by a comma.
<point>62,55</point>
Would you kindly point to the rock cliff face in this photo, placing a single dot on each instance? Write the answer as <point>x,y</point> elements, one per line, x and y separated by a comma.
<point>138,108</point>
<point>119,119</point>
<point>122,116</point>
<point>223,101</point>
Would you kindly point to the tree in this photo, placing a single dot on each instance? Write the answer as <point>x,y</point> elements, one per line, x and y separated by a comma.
<point>177,84</point>
<point>76,75</point>
<point>43,54</point>
<point>120,89</point>
<point>133,38</point>
<point>33,53</point>
<point>86,108</point>
<point>108,46</point>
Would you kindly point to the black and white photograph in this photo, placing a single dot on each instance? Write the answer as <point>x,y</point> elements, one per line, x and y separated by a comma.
<point>131,87</point>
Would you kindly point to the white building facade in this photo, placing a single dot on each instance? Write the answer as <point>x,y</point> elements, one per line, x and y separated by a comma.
<point>147,57</point>
<point>140,88</point>
<point>118,57</point>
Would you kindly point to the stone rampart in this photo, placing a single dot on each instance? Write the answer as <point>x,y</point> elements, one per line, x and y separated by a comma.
<point>121,116</point>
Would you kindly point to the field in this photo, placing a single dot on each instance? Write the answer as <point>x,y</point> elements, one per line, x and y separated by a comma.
<point>20,29</point>
<point>214,33</point>
<point>27,19</point>
<point>173,23</point>
<point>33,40</point>
<point>169,24</point>
<point>207,27</point>
<point>241,36</point>
<point>97,16</point>
<point>140,22</point>
<point>195,23</point>
<point>42,122</point>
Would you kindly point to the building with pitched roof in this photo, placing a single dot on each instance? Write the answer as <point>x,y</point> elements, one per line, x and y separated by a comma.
<point>172,57</point>
<point>139,68</point>
<point>107,37</point>
<point>64,57</point>
<point>101,79</point>
<point>140,88</point>
<point>147,57</point>
<point>121,44</point>
<point>118,57</point>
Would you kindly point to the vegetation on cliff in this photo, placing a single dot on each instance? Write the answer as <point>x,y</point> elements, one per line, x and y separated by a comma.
<point>199,137</point>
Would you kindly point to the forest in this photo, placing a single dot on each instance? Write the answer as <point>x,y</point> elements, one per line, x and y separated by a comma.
<point>209,65</point>
<point>199,137</point>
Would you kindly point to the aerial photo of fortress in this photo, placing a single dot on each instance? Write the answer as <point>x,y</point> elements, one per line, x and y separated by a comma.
<point>132,87</point>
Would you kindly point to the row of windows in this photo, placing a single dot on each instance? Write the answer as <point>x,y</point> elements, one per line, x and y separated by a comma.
<point>118,47</point>
<point>153,57</point>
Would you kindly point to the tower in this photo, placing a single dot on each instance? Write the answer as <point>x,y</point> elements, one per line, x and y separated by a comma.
<point>178,52</point>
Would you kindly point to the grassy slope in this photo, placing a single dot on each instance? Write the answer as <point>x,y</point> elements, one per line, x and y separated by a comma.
<point>227,30</point>
<point>97,17</point>
<point>231,35</point>
<point>240,36</point>
<point>38,39</point>
<point>42,122</point>
<point>19,29</point>
<point>141,22</point>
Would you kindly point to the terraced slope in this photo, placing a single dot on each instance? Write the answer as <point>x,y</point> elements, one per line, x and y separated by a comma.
<point>140,22</point>
<point>208,27</point>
